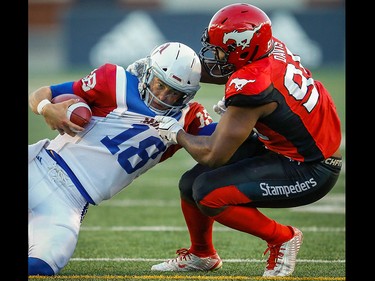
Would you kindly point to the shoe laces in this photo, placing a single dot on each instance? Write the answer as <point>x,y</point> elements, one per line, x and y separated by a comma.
<point>183,254</point>
<point>275,253</point>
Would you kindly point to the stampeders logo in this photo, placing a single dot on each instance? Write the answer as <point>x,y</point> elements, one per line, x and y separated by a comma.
<point>278,190</point>
<point>243,38</point>
<point>240,83</point>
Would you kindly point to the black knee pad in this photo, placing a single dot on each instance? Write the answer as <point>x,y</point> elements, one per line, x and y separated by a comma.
<point>185,185</point>
<point>187,181</point>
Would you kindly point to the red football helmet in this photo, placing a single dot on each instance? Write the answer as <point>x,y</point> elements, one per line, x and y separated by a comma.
<point>243,32</point>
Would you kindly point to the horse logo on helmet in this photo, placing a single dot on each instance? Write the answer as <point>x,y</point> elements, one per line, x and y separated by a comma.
<point>242,39</point>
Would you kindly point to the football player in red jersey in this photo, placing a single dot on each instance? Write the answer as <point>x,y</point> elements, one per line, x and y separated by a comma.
<point>121,142</point>
<point>272,102</point>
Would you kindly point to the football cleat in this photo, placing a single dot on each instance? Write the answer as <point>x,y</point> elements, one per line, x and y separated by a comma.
<point>282,258</point>
<point>187,261</point>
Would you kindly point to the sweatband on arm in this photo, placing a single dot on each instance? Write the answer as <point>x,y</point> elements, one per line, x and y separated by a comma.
<point>41,104</point>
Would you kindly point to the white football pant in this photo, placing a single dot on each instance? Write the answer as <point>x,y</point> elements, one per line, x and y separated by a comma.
<point>55,210</point>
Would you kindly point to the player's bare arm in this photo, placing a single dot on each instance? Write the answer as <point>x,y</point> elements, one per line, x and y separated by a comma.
<point>232,130</point>
<point>37,96</point>
<point>54,114</point>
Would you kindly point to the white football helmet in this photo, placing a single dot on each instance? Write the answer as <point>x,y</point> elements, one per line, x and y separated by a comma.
<point>178,66</point>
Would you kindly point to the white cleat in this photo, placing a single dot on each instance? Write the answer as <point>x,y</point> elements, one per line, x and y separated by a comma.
<point>282,259</point>
<point>187,261</point>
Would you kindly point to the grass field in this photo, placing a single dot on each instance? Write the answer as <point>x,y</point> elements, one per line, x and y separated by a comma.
<point>143,225</point>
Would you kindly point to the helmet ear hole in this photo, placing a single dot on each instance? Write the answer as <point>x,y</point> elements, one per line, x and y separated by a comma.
<point>244,55</point>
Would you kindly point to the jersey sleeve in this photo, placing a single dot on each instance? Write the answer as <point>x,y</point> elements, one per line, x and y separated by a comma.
<point>250,86</point>
<point>196,118</point>
<point>99,89</point>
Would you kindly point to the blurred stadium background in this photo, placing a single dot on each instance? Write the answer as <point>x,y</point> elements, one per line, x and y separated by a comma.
<point>67,38</point>
<point>74,34</point>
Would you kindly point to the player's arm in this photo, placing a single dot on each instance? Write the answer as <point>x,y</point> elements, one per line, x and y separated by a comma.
<point>43,93</point>
<point>54,114</point>
<point>231,131</point>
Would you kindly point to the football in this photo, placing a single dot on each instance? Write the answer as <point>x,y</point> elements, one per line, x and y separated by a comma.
<point>79,113</point>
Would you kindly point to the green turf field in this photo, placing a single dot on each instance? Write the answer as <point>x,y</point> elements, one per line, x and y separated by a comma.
<point>143,225</point>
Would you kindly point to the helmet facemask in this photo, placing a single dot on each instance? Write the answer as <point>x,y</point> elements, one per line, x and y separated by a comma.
<point>148,96</point>
<point>215,66</point>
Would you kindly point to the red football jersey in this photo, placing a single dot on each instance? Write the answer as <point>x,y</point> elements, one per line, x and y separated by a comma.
<point>305,126</point>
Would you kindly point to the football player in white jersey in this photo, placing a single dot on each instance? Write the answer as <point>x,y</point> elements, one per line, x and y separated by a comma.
<point>81,166</point>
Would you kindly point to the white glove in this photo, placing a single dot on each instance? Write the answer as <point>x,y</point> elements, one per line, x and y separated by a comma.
<point>220,107</point>
<point>168,128</point>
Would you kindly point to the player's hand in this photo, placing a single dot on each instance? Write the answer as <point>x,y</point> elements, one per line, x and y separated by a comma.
<point>220,107</point>
<point>168,128</point>
<point>55,116</point>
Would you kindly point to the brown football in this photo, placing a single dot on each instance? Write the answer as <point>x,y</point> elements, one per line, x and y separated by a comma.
<point>79,113</point>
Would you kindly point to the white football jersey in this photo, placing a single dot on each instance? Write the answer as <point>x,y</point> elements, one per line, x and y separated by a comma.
<point>116,148</point>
